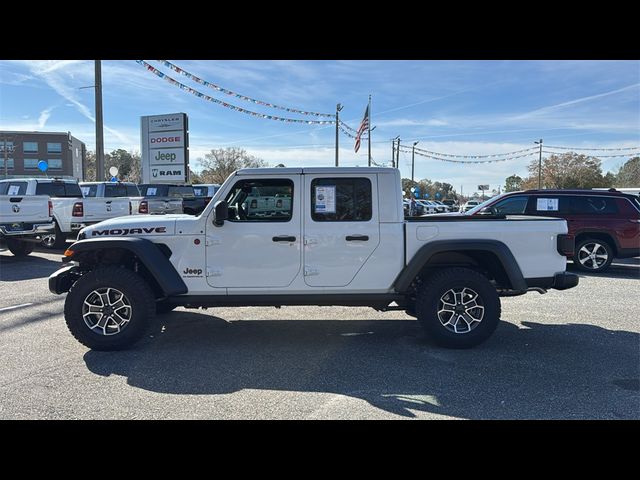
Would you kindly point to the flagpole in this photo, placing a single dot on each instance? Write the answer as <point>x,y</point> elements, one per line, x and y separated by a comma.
<point>369,130</point>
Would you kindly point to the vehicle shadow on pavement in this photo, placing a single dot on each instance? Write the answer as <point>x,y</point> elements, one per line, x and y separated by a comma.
<point>616,270</point>
<point>536,371</point>
<point>26,268</point>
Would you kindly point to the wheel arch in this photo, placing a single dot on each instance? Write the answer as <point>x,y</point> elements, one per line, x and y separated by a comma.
<point>598,235</point>
<point>491,255</point>
<point>154,260</point>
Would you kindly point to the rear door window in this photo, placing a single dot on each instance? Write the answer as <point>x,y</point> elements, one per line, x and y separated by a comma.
<point>89,191</point>
<point>132,191</point>
<point>341,200</point>
<point>549,205</point>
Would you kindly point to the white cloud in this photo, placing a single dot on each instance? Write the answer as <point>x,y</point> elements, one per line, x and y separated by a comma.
<point>44,116</point>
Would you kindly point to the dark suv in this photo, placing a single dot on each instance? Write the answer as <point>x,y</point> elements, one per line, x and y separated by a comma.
<point>605,224</point>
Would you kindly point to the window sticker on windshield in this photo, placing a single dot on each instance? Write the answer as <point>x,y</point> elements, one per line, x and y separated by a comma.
<point>85,191</point>
<point>152,191</point>
<point>325,199</point>
<point>547,204</point>
<point>13,190</point>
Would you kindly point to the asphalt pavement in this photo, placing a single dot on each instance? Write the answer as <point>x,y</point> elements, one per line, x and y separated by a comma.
<point>563,355</point>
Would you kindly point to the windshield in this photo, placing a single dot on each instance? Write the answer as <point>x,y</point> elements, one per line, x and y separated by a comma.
<point>483,204</point>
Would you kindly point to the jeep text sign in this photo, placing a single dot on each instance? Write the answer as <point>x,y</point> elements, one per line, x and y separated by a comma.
<point>164,142</point>
<point>167,156</point>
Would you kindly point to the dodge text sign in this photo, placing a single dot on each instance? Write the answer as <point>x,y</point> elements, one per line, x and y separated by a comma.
<point>166,139</point>
<point>164,142</point>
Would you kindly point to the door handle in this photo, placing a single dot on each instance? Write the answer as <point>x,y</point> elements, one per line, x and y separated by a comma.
<point>360,238</point>
<point>284,238</point>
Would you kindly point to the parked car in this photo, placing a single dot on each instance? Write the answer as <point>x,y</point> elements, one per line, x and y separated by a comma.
<point>469,205</point>
<point>605,224</point>
<point>71,210</point>
<point>452,204</point>
<point>318,236</point>
<point>406,206</point>
<point>428,208</point>
<point>191,204</point>
<point>23,220</point>
<point>206,191</point>
<point>441,207</point>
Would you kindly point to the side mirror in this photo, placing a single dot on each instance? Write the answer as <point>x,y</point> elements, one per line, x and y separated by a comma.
<point>488,211</point>
<point>221,213</point>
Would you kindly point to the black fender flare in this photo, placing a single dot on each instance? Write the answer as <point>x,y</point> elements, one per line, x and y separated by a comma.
<point>149,254</point>
<point>422,257</point>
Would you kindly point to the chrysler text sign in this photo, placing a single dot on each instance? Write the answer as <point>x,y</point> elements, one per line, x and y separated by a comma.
<point>164,142</point>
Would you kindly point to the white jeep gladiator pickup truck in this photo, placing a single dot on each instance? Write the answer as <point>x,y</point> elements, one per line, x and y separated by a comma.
<point>23,220</point>
<point>308,236</point>
<point>71,211</point>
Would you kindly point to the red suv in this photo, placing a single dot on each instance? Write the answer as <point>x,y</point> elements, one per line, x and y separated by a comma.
<point>605,224</point>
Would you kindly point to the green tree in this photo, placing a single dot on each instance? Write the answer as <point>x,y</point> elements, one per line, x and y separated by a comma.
<point>513,183</point>
<point>128,164</point>
<point>567,170</point>
<point>629,174</point>
<point>220,163</point>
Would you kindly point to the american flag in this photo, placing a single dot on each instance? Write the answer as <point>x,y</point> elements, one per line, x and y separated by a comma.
<point>363,126</point>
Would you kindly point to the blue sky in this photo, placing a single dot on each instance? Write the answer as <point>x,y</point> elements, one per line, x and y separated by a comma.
<point>457,107</point>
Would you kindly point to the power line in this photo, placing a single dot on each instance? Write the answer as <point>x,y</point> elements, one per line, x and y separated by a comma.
<point>598,149</point>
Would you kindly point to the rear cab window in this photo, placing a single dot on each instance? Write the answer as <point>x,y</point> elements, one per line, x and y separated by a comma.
<point>59,189</point>
<point>132,191</point>
<point>114,190</point>
<point>13,188</point>
<point>89,191</point>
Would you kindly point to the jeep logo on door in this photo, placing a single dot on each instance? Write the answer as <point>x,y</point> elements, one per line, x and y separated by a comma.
<point>192,272</point>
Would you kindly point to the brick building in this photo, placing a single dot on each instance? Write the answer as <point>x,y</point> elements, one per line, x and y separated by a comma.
<point>65,154</point>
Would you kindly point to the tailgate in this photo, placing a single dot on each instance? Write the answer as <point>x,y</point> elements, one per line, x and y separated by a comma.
<point>27,209</point>
<point>98,209</point>
<point>165,205</point>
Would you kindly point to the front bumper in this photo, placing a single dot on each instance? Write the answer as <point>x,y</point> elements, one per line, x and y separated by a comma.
<point>61,280</point>
<point>31,229</point>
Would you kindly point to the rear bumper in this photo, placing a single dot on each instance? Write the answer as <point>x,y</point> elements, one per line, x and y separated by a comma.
<point>36,229</point>
<point>560,281</point>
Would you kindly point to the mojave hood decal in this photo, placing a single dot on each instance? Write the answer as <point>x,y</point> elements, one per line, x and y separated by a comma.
<point>133,226</point>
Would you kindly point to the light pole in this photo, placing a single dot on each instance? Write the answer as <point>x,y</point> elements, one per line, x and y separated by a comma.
<point>539,165</point>
<point>393,151</point>
<point>338,109</point>
<point>99,134</point>
<point>413,157</point>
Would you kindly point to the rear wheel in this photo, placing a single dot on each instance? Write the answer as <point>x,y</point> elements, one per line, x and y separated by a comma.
<point>458,308</point>
<point>593,255</point>
<point>19,248</point>
<point>55,240</point>
<point>109,308</point>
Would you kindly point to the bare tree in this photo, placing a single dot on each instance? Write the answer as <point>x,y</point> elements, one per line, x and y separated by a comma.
<point>221,163</point>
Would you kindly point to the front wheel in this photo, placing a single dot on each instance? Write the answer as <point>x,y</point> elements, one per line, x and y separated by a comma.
<point>458,307</point>
<point>593,255</point>
<point>19,248</point>
<point>109,308</point>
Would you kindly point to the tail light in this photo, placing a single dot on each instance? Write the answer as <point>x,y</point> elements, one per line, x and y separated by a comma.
<point>143,207</point>
<point>566,245</point>
<point>78,210</point>
<point>50,208</point>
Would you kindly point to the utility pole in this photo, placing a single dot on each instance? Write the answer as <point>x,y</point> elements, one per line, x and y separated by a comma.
<point>398,154</point>
<point>539,165</point>
<point>413,157</point>
<point>369,130</point>
<point>393,151</point>
<point>99,127</point>
<point>338,108</point>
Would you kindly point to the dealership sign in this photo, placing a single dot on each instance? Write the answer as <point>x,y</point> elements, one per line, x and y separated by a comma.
<point>164,141</point>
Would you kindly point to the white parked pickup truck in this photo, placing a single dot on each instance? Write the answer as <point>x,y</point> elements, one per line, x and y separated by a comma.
<point>71,211</point>
<point>316,236</point>
<point>23,220</point>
